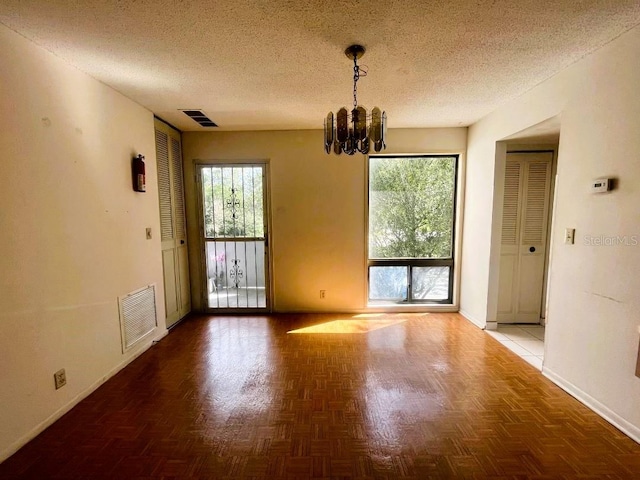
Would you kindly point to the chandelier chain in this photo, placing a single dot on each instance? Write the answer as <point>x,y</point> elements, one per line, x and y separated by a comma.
<point>356,77</point>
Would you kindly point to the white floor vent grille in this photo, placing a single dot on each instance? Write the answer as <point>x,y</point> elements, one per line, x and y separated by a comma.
<point>137,315</point>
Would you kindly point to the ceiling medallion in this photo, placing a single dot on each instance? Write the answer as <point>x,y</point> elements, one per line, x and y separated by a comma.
<point>355,131</point>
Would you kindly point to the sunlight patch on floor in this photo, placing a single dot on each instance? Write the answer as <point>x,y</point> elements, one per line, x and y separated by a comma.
<point>349,326</point>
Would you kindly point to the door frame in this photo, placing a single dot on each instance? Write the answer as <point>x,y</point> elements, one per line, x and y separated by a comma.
<point>202,253</point>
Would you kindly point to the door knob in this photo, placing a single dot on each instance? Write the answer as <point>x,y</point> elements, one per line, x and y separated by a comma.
<point>532,249</point>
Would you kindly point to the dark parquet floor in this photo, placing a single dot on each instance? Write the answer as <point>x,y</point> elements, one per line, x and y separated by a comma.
<point>432,397</point>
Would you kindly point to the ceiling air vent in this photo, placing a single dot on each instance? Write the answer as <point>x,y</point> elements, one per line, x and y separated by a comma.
<point>200,118</point>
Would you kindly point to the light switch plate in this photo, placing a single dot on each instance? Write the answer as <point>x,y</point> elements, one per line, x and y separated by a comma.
<point>569,236</point>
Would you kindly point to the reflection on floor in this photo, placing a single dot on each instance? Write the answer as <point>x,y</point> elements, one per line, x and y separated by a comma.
<point>349,326</point>
<point>524,340</point>
<point>237,397</point>
<point>242,297</point>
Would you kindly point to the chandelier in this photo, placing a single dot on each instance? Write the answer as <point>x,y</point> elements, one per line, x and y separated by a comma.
<point>355,131</point>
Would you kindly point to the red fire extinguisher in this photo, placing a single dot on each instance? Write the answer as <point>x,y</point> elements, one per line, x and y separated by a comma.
<point>137,166</point>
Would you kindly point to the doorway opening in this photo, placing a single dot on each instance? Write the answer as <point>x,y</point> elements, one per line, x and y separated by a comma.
<point>524,253</point>
<point>530,163</point>
<point>234,235</point>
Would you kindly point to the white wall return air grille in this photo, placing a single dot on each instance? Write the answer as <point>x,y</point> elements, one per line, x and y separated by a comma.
<point>137,315</point>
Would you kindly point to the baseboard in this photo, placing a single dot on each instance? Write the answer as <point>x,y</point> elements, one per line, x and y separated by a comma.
<point>491,326</point>
<point>412,308</point>
<point>341,311</point>
<point>42,426</point>
<point>473,320</point>
<point>610,416</point>
<point>415,308</point>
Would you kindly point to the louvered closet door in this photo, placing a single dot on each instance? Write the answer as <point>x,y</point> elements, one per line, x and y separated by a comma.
<point>180,229</point>
<point>510,249</point>
<point>524,236</point>
<point>172,223</point>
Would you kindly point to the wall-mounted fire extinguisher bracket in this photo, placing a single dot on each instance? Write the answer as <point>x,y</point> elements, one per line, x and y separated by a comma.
<point>137,169</point>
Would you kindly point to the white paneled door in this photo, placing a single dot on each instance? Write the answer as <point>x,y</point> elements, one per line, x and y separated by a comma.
<point>173,229</point>
<point>524,236</point>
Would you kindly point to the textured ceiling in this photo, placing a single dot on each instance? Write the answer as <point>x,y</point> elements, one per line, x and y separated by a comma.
<point>279,64</point>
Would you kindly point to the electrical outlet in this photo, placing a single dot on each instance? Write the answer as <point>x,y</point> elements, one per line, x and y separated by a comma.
<point>323,293</point>
<point>60,378</point>
<point>148,234</point>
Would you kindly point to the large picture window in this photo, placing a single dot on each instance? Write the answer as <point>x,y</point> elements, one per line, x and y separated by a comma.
<point>412,202</point>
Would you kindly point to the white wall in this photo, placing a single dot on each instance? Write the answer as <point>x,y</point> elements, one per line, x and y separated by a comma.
<point>592,336</point>
<point>317,209</point>
<point>72,233</point>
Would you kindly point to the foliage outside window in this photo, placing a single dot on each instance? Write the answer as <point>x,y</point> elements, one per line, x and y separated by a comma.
<point>233,202</point>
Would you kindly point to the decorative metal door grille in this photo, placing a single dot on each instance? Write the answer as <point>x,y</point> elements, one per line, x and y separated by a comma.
<point>234,235</point>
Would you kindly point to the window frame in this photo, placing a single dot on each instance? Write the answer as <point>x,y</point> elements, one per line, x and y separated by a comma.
<point>409,263</point>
